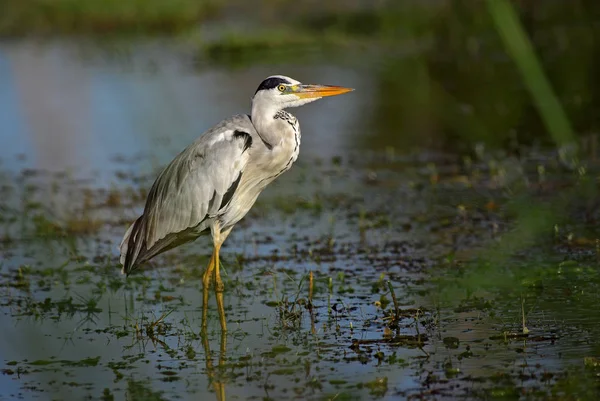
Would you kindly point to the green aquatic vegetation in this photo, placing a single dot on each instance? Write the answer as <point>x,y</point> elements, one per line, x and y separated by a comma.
<point>43,227</point>
<point>141,391</point>
<point>290,313</point>
<point>87,362</point>
<point>57,310</point>
<point>44,17</point>
<point>238,50</point>
<point>291,205</point>
<point>377,387</point>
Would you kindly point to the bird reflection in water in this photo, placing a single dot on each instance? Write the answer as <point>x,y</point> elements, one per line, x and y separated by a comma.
<point>215,375</point>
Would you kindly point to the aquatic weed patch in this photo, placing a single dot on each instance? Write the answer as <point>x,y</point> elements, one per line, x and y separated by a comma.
<point>404,300</point>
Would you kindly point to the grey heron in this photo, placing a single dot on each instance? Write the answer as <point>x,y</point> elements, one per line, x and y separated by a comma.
<point>214,182</point>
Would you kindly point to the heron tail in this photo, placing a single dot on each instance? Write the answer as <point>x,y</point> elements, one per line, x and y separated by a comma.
<point>134,248</point>
<point>132,245</point>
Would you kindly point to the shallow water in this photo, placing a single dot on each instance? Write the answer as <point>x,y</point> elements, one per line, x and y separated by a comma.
<point>81,141</point>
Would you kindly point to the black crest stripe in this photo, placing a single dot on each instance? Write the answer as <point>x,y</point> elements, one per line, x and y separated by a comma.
<point>271,83</point>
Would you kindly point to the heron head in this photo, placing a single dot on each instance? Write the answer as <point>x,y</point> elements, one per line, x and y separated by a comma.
<point>281,92</point>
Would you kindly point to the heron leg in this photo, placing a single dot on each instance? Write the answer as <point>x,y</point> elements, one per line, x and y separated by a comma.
<point>219,287</point>
<point>205,286</point>
<point>218,239</point>
<point>208,272</point>
<point>221,310</point>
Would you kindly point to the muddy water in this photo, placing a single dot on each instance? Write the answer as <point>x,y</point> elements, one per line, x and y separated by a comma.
<point>81,140</point>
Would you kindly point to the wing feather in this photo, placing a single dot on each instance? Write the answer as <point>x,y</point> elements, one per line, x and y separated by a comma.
<point>193,187</point>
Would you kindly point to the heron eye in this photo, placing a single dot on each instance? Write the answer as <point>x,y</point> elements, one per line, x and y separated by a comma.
<point>281,88</point>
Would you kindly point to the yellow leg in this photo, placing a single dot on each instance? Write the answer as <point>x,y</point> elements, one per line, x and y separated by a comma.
<point>208,272</point>
<point>221,309</point>
<point>219,287</point>
<point>205,286</point>
<point>218,238</point>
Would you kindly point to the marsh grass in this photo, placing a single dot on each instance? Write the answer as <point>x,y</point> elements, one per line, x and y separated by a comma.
<point>272,46</point>
<point>161,319</point>
<point>291,307</point>
<point>42,17</point>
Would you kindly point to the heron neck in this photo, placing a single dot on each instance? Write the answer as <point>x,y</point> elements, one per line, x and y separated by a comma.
<point>265,124</point>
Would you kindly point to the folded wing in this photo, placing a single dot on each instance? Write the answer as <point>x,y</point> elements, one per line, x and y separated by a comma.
<point>189,192</point>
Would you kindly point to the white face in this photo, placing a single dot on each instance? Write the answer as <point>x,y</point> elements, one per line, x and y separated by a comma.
<point>281,92</point>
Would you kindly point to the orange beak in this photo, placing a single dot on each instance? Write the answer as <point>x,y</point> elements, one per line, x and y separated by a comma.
<point>310,91</point>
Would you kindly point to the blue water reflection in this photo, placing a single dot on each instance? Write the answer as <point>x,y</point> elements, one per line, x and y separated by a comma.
<point>64,112</point>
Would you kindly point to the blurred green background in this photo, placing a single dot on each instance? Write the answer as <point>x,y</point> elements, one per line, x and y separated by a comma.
<point>444,73</point>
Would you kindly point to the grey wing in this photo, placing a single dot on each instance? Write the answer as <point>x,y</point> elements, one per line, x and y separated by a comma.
<point>191,189</point>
